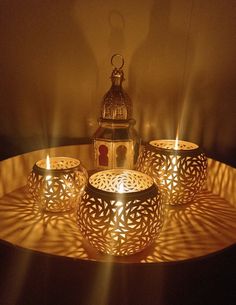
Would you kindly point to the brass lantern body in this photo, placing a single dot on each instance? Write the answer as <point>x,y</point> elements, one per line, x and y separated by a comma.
<point>116,144</point>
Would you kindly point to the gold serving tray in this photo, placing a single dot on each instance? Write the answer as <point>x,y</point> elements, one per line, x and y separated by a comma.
<point>205,226</point>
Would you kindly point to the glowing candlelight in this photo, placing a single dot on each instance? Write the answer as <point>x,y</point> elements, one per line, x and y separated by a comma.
<point>121,188</point>
<point>57,183</point>
<point>48,165</point>
<point>174,162</point>
<point>120,212</point>
<point>176,141</point>
<point>178,167</point>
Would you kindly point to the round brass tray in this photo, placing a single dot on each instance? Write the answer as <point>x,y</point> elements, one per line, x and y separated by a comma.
<point>202,227</point>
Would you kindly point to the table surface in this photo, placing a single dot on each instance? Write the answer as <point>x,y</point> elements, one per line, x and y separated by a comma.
<point>202,227</point>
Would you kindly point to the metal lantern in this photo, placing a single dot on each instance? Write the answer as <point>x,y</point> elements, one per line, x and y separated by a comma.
<point>178,167</point>
<point>57,183</point>
<point>116,144</point>
<point>120,212</point>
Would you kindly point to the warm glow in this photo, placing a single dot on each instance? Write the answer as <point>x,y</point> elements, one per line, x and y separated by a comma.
<point>119,217</point>
<point>174,159</point>
<point>121,188</point>
<point>174,162</point>
<point>126,209</point>
<point>120,181</point>
<point>57,183</point>
<point>119,204</point>
<point>48,166</point>
<point>178,167</point>
<point>176,141</point>
<point>173,144</point>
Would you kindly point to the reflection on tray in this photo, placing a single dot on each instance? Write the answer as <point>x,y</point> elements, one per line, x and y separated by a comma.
<point>206,225</point>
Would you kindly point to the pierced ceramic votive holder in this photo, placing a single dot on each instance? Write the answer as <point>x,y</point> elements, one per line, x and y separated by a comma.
<point>120,212</point>
<point>179,169</point>
<point>58,188</point>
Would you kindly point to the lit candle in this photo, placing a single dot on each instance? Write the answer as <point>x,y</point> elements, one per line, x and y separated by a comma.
<point>120,211</point>
<point>48,167</point>
<point>57,183</point>
<point>178,167</point>
<point>176,142</point>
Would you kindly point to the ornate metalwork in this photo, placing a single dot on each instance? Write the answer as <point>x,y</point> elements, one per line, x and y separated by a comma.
<point>120,212</point>
<point>178,168</point>
<point>116,144</point>
<point>121,181</point>
<point>116,103</point>
<point>57,189</point>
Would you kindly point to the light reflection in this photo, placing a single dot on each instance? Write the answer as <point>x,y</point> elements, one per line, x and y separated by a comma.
<point>121,188</point>
<point>48,165</point>
<point>176,140</point>
<point>206,225</point>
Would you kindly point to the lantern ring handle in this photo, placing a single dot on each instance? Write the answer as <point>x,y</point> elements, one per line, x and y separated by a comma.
<point>122,61</point>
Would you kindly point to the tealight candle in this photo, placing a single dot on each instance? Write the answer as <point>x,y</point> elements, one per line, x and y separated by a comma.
<point>57,183</point>
<point>179,168</point>
<point>120,212</point>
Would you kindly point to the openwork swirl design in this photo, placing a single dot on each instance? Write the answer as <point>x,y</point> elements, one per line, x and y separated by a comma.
<point>120,223</point>
<point>178,174</point>
<point>122,181</point>
<point>57,189</point>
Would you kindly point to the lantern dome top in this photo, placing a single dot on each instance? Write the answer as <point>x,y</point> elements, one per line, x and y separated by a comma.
<point>116,104</point>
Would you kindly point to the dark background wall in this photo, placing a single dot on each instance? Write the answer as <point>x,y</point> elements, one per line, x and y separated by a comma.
<point>179,66</point>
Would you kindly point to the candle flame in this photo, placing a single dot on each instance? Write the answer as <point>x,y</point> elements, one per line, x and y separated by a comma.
<point>48,165</point>
<point>176,143</point>
<point>176,139</point>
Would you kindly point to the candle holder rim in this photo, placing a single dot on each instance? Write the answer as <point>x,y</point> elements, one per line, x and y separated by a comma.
<point>153,189</point>
<point>173,141</point>
<point>122,171</point>
<point>47,171</point>
<point>172,151</point>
